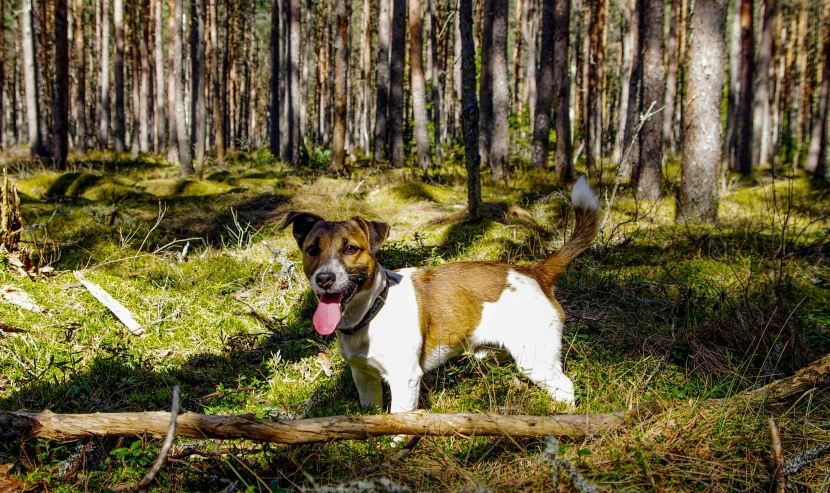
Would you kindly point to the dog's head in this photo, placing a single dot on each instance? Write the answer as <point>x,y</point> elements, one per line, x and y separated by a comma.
<point>338,259</point>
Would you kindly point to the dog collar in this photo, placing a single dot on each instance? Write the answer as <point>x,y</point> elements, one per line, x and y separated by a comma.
<point>380,301</point>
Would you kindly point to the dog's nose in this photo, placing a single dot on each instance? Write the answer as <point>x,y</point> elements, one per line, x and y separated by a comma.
<point>325,279</point>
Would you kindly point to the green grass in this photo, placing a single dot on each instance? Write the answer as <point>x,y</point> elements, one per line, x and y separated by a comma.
<point>659,312</point>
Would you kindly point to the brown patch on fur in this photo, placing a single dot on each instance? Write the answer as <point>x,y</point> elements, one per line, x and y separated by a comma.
<point>451,298</point>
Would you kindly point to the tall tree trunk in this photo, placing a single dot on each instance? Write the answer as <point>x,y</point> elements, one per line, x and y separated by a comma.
<point>144,101</point>
<point>294,96</point>
<point>704,95</point>
<point>118,64</point>
<point>396,81</point>
<point>104,79</point>
<point>563,156</point>
<point>341,75</point>
<point>419,100</point>
<point>60,132</point>
<point>530,33</point>
<point>818,154</point>
<point>31,82</point>
<point>216,82</point>
<point>275,110</point>
<point>135,79</point>
<point>485,86</point>
<point>307,48</point>
<point>500,138</point>
<point>544,87</point>
<point>797,115</point>
<point>456,76</point>
<point>158,56</point>
<point>518,50</point>
<point>435,76</point>
<point>731,135</point>
<point>671,79</point>
<point>649,173</point>
<point>2,75</point>
<point>382,83</point>
<point>470,109</point>
<point>743,147</point>
<point>629,47</point>
<point>593,122</point>
<point>185,161</point>
<point>365,76</point>
<point>197,77</point>
<point>765,70</point>
<point>80,77</point>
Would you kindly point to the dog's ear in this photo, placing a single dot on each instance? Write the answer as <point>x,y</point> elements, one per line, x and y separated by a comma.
<point>375,231</point>
<point>303,222</point>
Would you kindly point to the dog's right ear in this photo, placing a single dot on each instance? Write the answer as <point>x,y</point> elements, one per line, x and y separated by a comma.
<point>303,222</point>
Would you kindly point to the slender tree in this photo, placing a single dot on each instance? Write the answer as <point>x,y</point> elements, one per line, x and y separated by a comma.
<point>60,132</point>
<point>700,164</point>
<point>31,82</point>
<point>341,75</point>
<point>470,109</point>
<point>730,139</point>
<point>216,83</point>
<point>118,65</point>
<point>593,122</point>
<point>416,63</point>
<point>817,154</point>
<point>382,83</point>
<point>2,75</point>
<point>435,82</point>
<point>563,156</point>
<point>629,48</point>
<point>743,146</point>
<point>544,88</point>
<point>396,80</point>
<point>79,110</point>
<point>485,86</point>
<point>765,69</point>
<point>529,32</point>
<point>275,112</point>
<point>294,95</point>
<point>158,59</point>
<point>180,104</point>
<point>671,78</point>
<point>198,110</point>
<point>144,92</point>
<point>103,99</point>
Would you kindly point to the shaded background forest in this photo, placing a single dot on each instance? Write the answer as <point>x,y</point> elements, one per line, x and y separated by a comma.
<point>326,83</point>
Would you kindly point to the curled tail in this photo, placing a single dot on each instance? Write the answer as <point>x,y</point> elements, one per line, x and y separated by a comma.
<point>586,209</point>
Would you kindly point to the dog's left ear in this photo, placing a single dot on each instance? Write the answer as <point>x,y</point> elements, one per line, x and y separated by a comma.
<point>303,223</point>
<point>375,231</point>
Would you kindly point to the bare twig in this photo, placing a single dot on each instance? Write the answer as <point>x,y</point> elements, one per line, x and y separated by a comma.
<point>777,458</point>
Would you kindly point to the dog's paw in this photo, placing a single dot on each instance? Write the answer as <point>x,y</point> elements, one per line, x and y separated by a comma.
<point>399,441</point>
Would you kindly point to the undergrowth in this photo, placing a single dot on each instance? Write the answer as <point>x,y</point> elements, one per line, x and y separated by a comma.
<point>658,311</point>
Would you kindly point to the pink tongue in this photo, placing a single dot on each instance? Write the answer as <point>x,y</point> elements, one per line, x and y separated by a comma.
<point>328,313</point>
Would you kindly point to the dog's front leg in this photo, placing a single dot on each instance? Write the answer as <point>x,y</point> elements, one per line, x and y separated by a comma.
<point>368,388</point>
<point>405,388</point>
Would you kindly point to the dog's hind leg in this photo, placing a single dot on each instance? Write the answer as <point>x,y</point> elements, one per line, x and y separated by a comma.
<point>368,388</point>
<point>539,360</point>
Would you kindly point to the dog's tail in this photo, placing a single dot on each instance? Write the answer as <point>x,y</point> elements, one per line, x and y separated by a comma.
<point>586,209</point>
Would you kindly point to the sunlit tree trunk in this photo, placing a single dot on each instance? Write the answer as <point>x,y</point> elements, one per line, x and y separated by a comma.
<point>198,113</point>
<point>797,115</point>
<point>419,103</point>
<point>485,86</point>
<point>563,155</point>
<point>132,11</point>
<point>434,76</point>
<point>158,59</point>
<point>293,82</point>
<point>172,114</point>
<point>648,172</point>
<point>671,79</point>
<point>500,138</point>
<point>79,110</point>
<point>456,75</point>
<point>144,99</point>
<point>764,71</point>
<point>743,146</point>
<point>2,76</point>
<point>529,34</point>
<point>518,50</point>
<point>629,47</point>
<point>185,161</point>
<point>341,74</point>
<point>593,101</point>
<point>818,154</point>
<point>382,83</point>
<point>544,88</point>
<point>216,82</point>
<point>104,79</point>
<point>700,164</point>
<point>60,131</point>
<point>31,83</point>
<point>274,121</point>
<point>118,65</point>
<point>470,109</point>
<point>396,80</point>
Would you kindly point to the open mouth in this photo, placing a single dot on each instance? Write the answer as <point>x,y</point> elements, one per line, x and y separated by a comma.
<point>330,310</point>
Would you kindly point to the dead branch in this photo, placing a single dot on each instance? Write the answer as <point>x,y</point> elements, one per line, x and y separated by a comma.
<point>120,311</point>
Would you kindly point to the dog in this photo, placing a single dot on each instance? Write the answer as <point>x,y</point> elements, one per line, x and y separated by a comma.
<point>397,325</point>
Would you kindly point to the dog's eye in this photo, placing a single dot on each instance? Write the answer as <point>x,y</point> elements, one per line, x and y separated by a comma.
<point>350,250</point>
<point>313,250</point>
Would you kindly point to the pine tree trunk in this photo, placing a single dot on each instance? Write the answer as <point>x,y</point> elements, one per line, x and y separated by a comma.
<point>172,113</point>
<point>649,173</point>
<point>185,161</point>
<point>104,79</point>
<point>818,153</point>
<point>743,147</point>
<point>470,109</point>
<point>396,81</point>
<point>382,84</point>
<point>544,88</point>
<point>274,119</point>
<point>529,34</point>
<point>158,58</point>
<point>457,77</point>
<point>118,65</point>
<point>563,156</point>
<point>198,113</point>
<point>307,49</point>
<point>700,164</point>
<point>341,74</point>
<point>135,75</point>
<point>629,47</point>
<point>671,79</point>
<point>31,82</point>
<point>294,96</point>
<point>216,82</point>
<point>731,134</point>
<point>500,138</point>
<point>521,21</point>
<point>437,104</point>
<point>79,110</point>
<point>2,77</point>
<point>764,72</point>
<point>593,101</point>
<point>485,86</point>
<point>419,102</point>
<point>797,115</point>
<point>364,128</point>
<point>60,132</point>
<point>144,97</point>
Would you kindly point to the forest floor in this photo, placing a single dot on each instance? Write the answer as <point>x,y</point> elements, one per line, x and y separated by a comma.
<point>658,311</point>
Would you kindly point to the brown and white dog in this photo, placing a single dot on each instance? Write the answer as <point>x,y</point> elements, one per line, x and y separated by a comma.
<point>397,325</point>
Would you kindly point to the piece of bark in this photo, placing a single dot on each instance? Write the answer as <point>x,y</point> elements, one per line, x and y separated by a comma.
<point>18,297</point>
<point>120,311</point>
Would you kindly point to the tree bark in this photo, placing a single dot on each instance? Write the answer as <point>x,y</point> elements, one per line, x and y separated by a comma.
<point>435,82</point>
<point>144,99</point>
<point>798,117</point>
<point>671,79</point>
<point>593,101</point>
<point>629,47</point>
<point>731,134</point>
<point>563,156</point>
<point>198,115</point>
<point>293,82</point>
<point>469,112</point>
<point>743,147</point>
<point>648,172</point>
<point>79,110</point>
<point>529,35</point>
<point>544,88</point>
<point>274,118</point>
<point>456,76</point>
<point>485,86</point>
<point>118,65</point>
<point>158,57</point>
<point>418,87</point>
<point>172,123</point>
<point>765,70</point>
<point>31,82</point>
<point>382,83</point>
<point>700,165</point>
<point>185,161</point>
<point>818,154</point>
<point>341,75</point>
<point>60,132</point>
<point>135,71</point>
<point>396,80</point>
<point>2,76</point>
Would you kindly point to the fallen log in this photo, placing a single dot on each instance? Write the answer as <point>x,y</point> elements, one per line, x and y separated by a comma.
<point>46,424</point>
<point>23,425</point>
